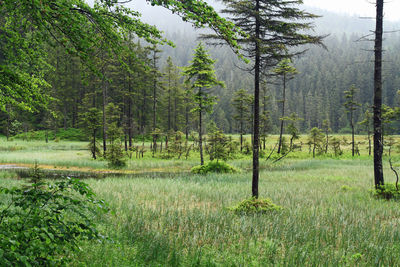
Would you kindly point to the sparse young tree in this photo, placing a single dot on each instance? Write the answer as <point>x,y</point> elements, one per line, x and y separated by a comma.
<point>156,75</point>
<point>327,129</point>
<point>200,73</point>
<point>241,101</point>
<point>219,145</point>
<point>367,123</point>
<point>92,121</point>
<point>351,105</point>
<point>292,128</point>
<point>388,116</point>
<point>287,72</point>
<point>315,138</point>
<point>335,143</point>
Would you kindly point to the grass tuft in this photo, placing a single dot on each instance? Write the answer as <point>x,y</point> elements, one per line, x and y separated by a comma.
<point>255,205</point>
<point>214,167</point>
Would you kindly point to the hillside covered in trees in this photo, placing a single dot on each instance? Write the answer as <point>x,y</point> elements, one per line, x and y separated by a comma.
<point>155,92</point>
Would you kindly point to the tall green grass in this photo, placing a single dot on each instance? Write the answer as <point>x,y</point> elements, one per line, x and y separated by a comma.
<point>329,216</point>
<point>330,219</point>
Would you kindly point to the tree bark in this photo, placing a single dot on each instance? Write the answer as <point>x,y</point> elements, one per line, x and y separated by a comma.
<point>256,129</point>
<point>94,144</point>
<point>154,99</point>
<point>187,121</point>
<point>283,113</point>
<point>378,145</point>
<point>352,133</point>
<point>327,142</point>
<point>104,115</point>
<point>201,132</point>
<point>241,131</point>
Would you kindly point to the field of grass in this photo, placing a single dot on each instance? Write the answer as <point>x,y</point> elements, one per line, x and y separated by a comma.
<point>329,216</point>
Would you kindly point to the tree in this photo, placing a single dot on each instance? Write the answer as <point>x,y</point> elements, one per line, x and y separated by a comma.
<point>351,105</point>
<point>241,101</point>
<point>292,128</point>
<point>378,145</point>
<point>92,121</point>
<point>155,75</point>
<point>287,72</point>
<point>218,145</point>
<point>315,139</point>
<point>326,128</point>
<point>272,28</point>
<point>388,115</point>
<point>200,73</point>
<point>265,117</point>
<point>173,96</point>
<point>367,123</point>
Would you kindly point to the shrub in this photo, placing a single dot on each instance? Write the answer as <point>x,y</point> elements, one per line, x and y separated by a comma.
<point>115,156</point>
<point>387,191</point>
<point>255,205</point>
<point>214,166</point>
<point>42,222</point>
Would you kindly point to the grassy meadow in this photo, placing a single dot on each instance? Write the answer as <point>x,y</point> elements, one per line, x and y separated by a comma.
<point>329,218</point>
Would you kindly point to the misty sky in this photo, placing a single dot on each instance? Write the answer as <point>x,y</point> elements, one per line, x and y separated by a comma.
<point>351,7</point>
<point>358,7</point>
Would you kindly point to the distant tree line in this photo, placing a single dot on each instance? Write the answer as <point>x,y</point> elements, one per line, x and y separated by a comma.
<point>155,89</point>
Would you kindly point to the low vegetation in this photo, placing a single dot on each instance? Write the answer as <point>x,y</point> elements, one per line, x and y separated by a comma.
<point>320,211</point>
<point>255,205</point>
<point>42,222</point>
<point>214,166</point>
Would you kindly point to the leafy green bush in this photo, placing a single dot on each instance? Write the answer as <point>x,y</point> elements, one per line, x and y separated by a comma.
<point>42,222</point>
<point>255,205</point>
<point>214,166</point>
<point>387,191</point>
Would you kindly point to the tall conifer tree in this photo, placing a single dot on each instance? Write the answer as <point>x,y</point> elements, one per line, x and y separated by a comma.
<point>202,76</point>
<point>378,145</point>
<point>273,26</point>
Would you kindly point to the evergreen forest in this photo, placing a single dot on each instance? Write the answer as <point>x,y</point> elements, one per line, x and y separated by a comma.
<point>315,93</point>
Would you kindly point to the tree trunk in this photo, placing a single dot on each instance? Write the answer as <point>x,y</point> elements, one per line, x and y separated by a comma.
<point>283,113</point>
<point>187,122</point>
<point>352,134</point>
<point>176,106</point>
<point>169,101</point>
<point>256,129</point>
<point>94,145</point>
<point>8,126</point>
<point>241,134</point>
<point>201,132</point>
<point>125,141</point>
<point>327,142</point>
<point>378,145</point>
<point>104,115</point>
<point>143,120</point>
<point>313,150</point>
<point>369,142</point>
